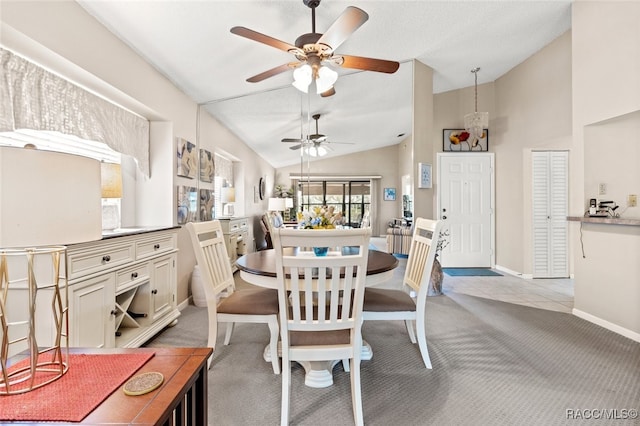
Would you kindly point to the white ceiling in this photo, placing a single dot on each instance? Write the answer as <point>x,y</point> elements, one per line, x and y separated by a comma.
<point>190,43</point>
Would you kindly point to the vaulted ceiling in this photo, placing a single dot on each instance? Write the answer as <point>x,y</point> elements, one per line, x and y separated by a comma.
<point>191,44</point>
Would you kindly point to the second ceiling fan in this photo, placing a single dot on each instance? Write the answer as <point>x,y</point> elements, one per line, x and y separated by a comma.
<point>318,50</point>
<point>313,141</point>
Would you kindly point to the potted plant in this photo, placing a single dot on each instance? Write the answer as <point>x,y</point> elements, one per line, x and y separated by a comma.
<point>435,282</point>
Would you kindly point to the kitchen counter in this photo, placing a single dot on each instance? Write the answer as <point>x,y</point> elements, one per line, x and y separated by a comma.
<point>121,232</point>
<point>605,220</point>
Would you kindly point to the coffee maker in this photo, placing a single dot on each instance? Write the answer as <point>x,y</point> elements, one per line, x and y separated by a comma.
<point>602,208</point>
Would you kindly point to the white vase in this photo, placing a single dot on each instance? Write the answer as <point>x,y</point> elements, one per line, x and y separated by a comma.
<point>197,288</point>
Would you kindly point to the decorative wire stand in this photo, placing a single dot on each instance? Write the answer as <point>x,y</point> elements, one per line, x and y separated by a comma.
<point>23,300</point>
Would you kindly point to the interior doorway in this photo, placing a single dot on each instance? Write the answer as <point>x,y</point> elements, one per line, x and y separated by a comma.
<point>465,202</point>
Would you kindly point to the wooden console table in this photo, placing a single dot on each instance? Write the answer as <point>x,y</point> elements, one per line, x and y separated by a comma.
<point>180,400</point>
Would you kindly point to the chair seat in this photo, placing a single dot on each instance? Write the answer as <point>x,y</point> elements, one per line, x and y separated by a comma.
<point>259,301</point>
<point>383,300</point>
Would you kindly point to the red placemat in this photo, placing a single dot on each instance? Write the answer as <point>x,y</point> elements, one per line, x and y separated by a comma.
<point>89,381</point>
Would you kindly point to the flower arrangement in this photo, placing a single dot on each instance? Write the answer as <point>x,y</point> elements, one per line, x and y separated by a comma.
<point>319,218</point>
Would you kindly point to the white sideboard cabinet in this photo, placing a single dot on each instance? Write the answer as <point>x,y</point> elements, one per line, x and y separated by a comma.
<point>122,289</point>
<point>236,234</point>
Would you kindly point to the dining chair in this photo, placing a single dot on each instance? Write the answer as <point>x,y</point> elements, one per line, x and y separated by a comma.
<point>321,302</point>
<point>409,303</point>
<point>224,303</point>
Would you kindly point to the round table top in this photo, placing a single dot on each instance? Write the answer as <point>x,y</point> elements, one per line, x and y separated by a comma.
<point>264,263</point>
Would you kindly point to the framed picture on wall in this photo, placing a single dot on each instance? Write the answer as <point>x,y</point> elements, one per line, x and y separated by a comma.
<point>187,204</point>
<point>459,140</point>
<point>206,204</point>
<point>206,166</point>
<point>389,194</point>
<point>187,158</point>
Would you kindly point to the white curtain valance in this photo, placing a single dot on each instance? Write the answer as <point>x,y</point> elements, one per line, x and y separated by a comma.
<point>33,98</point>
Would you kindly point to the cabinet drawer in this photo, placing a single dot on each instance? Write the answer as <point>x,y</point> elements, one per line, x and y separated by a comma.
<point>97,259</point>
<point>132,276</point>
<point>238,225</point>
<point>153,246</point>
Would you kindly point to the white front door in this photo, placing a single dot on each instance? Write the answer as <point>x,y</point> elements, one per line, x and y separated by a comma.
<point>466,205</point>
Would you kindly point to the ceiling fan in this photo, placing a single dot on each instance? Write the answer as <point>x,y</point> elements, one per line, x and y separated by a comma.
<point>316,49</point>
<point>314,140</point>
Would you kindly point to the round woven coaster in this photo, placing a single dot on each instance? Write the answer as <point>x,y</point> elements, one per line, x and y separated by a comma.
<point>143,383</point>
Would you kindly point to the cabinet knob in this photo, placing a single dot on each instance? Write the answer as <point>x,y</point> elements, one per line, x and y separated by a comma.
<point>106,258</point>
<point>154,291</point>
<point>444,217</point>
<point>114,312</point>
<point>134,275</point>
<point>156,246</point>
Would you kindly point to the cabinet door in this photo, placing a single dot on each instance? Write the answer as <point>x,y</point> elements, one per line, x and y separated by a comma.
<point>91,322</point>
<point>163,286</point>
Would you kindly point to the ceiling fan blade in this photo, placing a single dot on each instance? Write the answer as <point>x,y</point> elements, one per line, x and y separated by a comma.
<point>350,20</point>
<point>341,143</point>
<point>328,93</point>
<point>369,64</point>
<point>273,71</point>
<point>295,147</point>
<point>292,140</point>
<point>262,38</point>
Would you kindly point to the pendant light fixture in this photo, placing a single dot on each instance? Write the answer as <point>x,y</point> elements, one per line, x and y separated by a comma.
<point>476,122</point>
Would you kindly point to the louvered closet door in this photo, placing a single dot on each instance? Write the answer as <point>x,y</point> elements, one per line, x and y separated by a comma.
<point>550,208</point>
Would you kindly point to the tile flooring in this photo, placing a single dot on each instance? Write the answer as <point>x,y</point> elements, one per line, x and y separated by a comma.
<point>550,294</point>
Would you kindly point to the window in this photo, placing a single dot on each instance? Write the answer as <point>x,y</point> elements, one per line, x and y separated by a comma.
<point>353,198</point>
<point>223,178</point>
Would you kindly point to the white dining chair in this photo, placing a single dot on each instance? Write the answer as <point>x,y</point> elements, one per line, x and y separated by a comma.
<point>321,303</point>
<point>409,303</point>
<point>224,303</point>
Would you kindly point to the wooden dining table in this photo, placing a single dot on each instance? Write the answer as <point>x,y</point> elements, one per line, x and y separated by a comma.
<point>259,268</point>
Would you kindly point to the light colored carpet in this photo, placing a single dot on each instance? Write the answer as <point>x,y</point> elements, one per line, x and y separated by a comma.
<point>494,363</point>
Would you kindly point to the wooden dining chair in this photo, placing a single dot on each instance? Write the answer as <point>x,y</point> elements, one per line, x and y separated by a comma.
<point>409,303</point>
<point>321,303</point>
<point>224,303</point>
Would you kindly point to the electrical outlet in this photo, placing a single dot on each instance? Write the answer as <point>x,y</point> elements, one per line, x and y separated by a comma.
<point>632,200</point>
<point>602,189</point>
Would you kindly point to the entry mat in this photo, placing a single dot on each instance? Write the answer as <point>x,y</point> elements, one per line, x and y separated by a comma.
<point>470,272</point>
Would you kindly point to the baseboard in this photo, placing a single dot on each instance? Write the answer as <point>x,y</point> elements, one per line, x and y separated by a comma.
<point>608,325</point>
<point>184,304</point>
<point>514,273</point>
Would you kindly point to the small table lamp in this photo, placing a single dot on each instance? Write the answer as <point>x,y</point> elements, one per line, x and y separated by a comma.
<point>227,197</point>
<point>46,199</point>
<point>288,204</point>
<point>277,205</point>
<point>111,180</point>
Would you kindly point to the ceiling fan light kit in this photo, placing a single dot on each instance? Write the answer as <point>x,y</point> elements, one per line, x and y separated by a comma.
<point>316,150</point>
<point>476,122</point>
